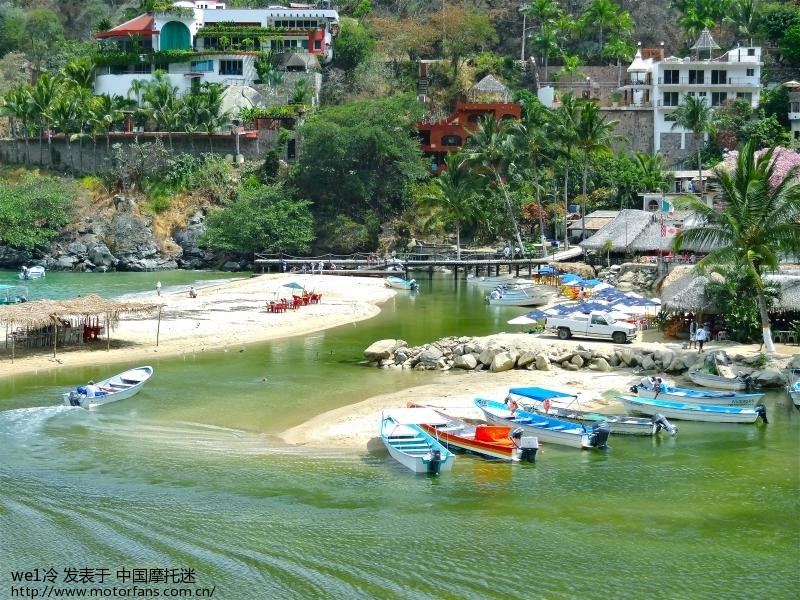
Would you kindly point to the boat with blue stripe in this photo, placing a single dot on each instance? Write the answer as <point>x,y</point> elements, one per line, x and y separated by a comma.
<point>411,446</point>
<point>688,411</point>
<point>679,394</point>
<point>547,429</point>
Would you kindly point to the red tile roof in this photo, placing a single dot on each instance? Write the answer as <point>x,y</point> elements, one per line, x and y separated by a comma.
<point>143,25</point>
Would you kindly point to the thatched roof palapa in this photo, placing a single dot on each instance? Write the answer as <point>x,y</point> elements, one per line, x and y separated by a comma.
<point>40,313</point>
<point>622,231</point>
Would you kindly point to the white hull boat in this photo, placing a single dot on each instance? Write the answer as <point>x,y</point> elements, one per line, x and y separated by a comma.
<point>719,382</point>
<point>527,296</point>
<point>678,394</point>
<point>410,445</point>
<point>35,272</point>
<point>793,388</point>
<point>121,386</point>
<point>546,429</point>
<point>399,283</point>
<point>694,412</point>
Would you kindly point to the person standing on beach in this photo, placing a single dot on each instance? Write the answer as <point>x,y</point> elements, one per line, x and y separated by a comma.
<point>701,336</point>
<point>158,288</point>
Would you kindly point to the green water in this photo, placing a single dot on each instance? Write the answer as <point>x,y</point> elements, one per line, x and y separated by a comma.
<point>190,474</point>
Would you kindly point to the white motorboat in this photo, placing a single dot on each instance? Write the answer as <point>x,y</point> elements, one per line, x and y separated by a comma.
<point>679,394</point>
<point>35,272</point>
<point>120,386</point>
<point>793,388</point>
<point>526,296</point>
<point>694,412</point>
<point>412,446</point>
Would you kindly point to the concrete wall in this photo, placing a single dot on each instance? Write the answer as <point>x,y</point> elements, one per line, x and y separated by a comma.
<point>96,159</point>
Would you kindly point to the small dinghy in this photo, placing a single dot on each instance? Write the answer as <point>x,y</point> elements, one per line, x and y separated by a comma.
<point>120,386</point>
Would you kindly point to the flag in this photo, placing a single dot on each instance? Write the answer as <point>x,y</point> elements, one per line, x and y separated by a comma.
<point>667,207</point>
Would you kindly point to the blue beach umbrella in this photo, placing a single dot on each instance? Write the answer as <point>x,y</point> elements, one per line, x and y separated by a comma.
<point>568,277</point>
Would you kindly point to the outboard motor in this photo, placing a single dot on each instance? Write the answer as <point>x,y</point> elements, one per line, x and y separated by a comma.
<point>634,389</point>
<point>761,411</point>
<point>660,422</point>
<point>749,383</point>
<point>435,463</point>
<point>599,435</point>
<point>528,445</point>
<point>74,398</point>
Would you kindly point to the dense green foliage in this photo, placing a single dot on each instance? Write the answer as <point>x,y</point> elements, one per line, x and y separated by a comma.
<point>33,211</point>
<point>732,297</point>
<point>360,159</point>
<point>262,218</point>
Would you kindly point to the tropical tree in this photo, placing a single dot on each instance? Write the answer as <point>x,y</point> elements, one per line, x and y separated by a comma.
<point>698,117</point>
<point>490,149</point>
<point>756,226</point>
<point>79,73</point>
<point>654,176</point>
<point>593,135</point>
<point>604,15</point>
<point>531,135</point>
<point>41,97</point>
<point>743,16</point>
<point>545,39</point>
<point>565,131</point>
<point>454,194</point>
<point>16,106</point>
<point>64,114</point>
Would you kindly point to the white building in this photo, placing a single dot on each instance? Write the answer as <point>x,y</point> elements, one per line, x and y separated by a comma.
<point>663,83</point>
<point>203,41</point>
<point>794,108</point>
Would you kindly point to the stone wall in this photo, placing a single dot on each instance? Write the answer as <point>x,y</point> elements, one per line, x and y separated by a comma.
<point>636,125</point>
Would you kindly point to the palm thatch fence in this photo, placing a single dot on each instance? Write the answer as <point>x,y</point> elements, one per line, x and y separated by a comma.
<point>41,314</point>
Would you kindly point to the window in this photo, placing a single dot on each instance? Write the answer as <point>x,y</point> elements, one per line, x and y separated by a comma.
<point>745,96</point>
<point>696,77</point>
<point>202,66</point>
<point>230,67</point>
<point>317,44</point>
<point>718,98</point>
<point>719,77</point>
<point>451,140</point>
<point>751,72</point>
<point>671,76</point>
<point>794,107</point>
<point>751,52</point>
<point>670,98</point>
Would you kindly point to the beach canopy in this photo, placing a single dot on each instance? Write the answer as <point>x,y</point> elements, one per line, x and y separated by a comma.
<point>587,307</point>
<point>529,318</point>
<point>294,285</point>
<point>568,277</point>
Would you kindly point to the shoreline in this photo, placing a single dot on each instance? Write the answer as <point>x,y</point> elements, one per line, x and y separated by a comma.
<point>223,315</point>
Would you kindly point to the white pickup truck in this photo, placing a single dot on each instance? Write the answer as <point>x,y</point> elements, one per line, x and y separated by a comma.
<point>593,325</point>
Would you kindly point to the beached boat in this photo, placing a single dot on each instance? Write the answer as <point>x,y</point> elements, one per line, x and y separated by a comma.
<point>679,394</point>
<point>544,402</point>
<point>725,378</point>
<point>547,429</point>
<point>399,283</point>
<point>490,282</point>
<point>534,295</point>
<point>121,386</point>
<point>687,411</point>
<point>793,388</point>
<point>412,446</point>
<point>35,272</point>
<point>490,441</point>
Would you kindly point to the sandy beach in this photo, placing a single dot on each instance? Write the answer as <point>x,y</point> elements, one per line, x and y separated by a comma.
<point>233,314</point>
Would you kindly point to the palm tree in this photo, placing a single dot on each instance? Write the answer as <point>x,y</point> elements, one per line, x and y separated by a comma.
<point>63,114</point>
<point>41,97</point>
<point>757,225</point>
<point>744,16</point>
<point>16,106</point>
<point>565,126</point>
<point>453,193</point>
<point>654,176</point>
<point>698,117</point>
<point>594,135</point>
<point>601,14</point>
<point>80,73</point>
<point>491,148</point>
<point>533,142</point>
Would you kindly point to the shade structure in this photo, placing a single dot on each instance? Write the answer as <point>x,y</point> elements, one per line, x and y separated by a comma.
<point>591,282</point>
<point>568,277</point>
<point>529,318</point>
<point>294,285</point>
<point>603,286</point>
<point>587,307</point>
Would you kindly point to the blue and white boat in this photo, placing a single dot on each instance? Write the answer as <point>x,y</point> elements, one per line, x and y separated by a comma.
<point>550,403</point>
<point>793,388</point>
<point>679,394</point>
<point>695,412</point>
<point>547,429</point>
<point>399,283</point>
<point>410,445</point>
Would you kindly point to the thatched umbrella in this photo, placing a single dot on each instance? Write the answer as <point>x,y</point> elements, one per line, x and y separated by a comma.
<point>39,314</point>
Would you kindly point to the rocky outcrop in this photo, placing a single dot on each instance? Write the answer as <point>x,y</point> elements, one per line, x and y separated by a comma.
<point>505,352</point>
<point>630,276</point>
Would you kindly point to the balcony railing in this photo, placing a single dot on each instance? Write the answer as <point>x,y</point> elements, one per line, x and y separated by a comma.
<point>736,81</point>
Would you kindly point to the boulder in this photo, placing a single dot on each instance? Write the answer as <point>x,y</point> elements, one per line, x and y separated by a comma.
<point>600,364</point>
<point>380,350</point>
<point>770,377</point>
<point>627,357</point>
<point>488,353</point>
<point>525,358</point>
<point>430,357</point>
<point>465,361</point>
<point>542,363</point>
<point>569,366</point>
<point>795,362</point>
<point>502,361</point>
<point>648,363</point>
<point>577,360</point>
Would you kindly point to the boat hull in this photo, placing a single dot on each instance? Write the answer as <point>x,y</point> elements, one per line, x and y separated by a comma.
<point>721,398</point>
<point>544,428</point>
<point>128,383</point>
<point>717,381</point>
<point>690,412</point>
<point>619,424</point>
<point>36,272</point>
<point>794,393</point>
<point>398,283</point>
<point>414,448</point>
<point>529,296</point>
